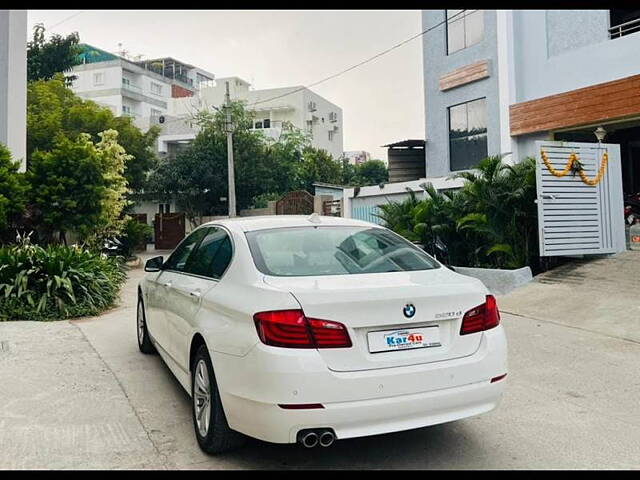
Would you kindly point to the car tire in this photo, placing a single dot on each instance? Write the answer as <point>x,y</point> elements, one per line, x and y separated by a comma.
<point>211,428</point>
<point>144,341</point>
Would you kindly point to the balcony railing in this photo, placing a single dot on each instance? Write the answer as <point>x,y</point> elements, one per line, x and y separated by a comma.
<point>626,28</point>
<point>132,87</point>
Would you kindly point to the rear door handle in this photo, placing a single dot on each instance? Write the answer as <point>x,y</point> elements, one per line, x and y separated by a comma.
<point>167,284</point>
<point>195,293</point>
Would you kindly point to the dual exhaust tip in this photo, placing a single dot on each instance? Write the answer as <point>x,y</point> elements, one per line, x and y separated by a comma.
<point>312,438</point>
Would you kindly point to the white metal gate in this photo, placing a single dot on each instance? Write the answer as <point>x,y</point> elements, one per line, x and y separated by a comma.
<point>575,218</point>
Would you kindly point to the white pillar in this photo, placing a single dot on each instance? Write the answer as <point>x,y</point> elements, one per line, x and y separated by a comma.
<point>506,81</point>
<point>13,83</point>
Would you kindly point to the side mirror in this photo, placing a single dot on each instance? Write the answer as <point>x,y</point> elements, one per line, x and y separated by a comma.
<point>154,264</point>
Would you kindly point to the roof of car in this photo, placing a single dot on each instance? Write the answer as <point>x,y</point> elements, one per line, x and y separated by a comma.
<point>246,224</point>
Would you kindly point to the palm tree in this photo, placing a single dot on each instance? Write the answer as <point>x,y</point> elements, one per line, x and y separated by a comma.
<point>399,216</point>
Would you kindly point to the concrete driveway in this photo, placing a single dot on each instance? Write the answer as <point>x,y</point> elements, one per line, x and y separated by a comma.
<point>79,394</point>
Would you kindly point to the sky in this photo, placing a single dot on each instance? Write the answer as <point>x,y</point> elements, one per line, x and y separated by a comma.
<point>382,101</point>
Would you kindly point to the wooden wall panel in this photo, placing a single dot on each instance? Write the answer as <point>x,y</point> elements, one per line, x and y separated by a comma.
<point>463,75</point>
<point>598,103</point>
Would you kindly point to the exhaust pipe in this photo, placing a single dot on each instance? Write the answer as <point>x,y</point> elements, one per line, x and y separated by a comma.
<point>327,438</point>
<point>309,439</point>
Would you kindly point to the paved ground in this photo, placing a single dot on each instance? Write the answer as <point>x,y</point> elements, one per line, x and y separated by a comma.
<point>79,394</point>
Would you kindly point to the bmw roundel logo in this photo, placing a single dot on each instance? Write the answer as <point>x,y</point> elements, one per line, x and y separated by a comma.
<point>409,310</point>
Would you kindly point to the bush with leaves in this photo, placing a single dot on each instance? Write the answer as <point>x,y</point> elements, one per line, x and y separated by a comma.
<point>490,222</point>
<point>135,235</point>
<point>79,186</point>
<point>56,282</point>
<point>13,190</point>
<point>54,111</point>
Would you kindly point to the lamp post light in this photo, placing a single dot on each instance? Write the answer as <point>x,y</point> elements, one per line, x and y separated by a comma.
<point>600,133</point>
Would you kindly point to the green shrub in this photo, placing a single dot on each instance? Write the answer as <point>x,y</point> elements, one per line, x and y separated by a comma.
<point>135,235</point>
<point>490,222</point>
<point>262,200</point>
<point>13,189</point>
<point>56,282</point>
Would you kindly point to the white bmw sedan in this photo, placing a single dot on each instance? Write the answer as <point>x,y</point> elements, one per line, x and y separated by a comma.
<point>310,329</point>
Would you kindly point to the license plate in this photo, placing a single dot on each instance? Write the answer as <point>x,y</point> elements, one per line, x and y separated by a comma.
<point>404,339</point>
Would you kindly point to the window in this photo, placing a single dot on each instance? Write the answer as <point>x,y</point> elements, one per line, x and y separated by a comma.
<point>467,134</point>
<point>156,88</point>
<point>164,208</point>
<point>266,123</point>
<point>331,135</point>
<point>155,113</point>
<point>98,78</point>
<point>213,255</point>
<point>179,257</point>
<point>311,251</point>
<point>126,110</point>
<point>464,29</point>
<point>623,22</point>
<point>258,125</point>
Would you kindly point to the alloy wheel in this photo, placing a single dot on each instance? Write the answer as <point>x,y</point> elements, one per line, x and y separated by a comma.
<point>140,323</point>
<point>202,398</point>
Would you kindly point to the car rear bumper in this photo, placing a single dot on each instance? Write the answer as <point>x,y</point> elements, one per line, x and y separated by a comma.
<point>356,403</point>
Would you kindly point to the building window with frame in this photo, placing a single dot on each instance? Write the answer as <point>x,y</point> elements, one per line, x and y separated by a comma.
<point>155,113</point>
<point>156,88</point>
<point>331,134</point>
<point>464,29</point>
<point>467,134</point>
<point>98,78</point>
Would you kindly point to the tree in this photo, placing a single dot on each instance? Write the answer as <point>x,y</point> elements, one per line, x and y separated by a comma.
<point>53,110</point>
<point>13,189</point>
<point>57,55</point>
<point>197,177</point>
<point>371,172</point>
<point>318,166</point>
<point>79,186</point>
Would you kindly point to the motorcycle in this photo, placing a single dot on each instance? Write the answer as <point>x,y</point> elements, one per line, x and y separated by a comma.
<point>632,208</point>
<point>113,247</point>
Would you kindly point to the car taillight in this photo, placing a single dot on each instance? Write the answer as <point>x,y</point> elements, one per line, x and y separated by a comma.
<point>482,317</point>
<point>290,328</point>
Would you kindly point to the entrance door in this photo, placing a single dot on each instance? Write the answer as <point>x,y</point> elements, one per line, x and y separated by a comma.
<point>169,230</point>
<point>575,218</point>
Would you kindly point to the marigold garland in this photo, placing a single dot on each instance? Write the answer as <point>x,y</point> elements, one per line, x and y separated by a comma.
<point>574,165</point>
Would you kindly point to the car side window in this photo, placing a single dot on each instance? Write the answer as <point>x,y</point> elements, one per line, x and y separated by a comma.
<point>213,255</point>
<point>223,258</point>
<point>178,259</point>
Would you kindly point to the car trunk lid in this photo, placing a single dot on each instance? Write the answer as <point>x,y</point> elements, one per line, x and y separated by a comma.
<point>372,307</point>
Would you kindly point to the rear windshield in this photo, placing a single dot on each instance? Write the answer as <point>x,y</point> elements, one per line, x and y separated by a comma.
<point>316,250</point>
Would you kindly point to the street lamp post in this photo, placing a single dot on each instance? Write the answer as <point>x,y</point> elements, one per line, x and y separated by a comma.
<point>230,166</point>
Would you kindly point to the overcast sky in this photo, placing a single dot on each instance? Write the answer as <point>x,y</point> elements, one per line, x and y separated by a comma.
<point>382,101</point>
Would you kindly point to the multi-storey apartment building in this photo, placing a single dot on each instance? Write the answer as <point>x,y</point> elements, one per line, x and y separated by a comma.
<point>139,89</point>
<point>273,107</point>
<point>498,80</point>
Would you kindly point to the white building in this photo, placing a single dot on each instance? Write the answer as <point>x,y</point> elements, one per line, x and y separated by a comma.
<point>138,89</point>
<point>13,83</point>
<point>300,106</point>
